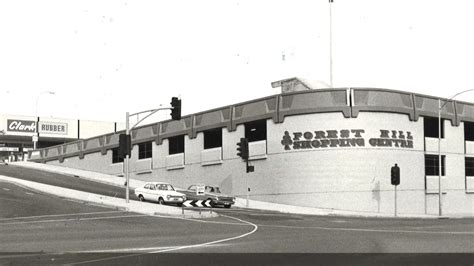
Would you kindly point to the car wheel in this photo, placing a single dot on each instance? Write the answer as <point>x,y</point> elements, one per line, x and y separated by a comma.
<point>141,198</point>
<point>161,201</point>
<point>227,206</point>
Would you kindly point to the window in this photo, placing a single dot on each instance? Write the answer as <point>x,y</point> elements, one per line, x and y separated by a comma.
<point>469,165</point>
<point>115,156</point>
<point>432,165</point>
<point>176,144</point>
<point>431,127</point>
<point>256,130</point>
<point>213,138</point>
<point>144,150</point>
<point>468,131</point>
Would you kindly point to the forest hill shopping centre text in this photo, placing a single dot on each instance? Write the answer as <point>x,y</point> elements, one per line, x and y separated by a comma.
<point>345,138</point>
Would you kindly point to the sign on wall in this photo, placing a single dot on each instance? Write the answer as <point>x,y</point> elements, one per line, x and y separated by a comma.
<point>53,128</point>
<point>345,138</point>
<point>16,125</point>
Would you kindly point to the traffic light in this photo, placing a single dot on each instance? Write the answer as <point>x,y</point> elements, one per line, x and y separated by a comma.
<point>176,108</point>
<point>395,175</point>
<point>125,145</point>
<point>243,148</point>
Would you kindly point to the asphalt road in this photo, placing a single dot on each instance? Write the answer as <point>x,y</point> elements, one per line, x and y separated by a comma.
<point>44,229</point>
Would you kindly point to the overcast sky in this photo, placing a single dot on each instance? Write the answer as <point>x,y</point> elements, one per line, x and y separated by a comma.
<point>103,58</point>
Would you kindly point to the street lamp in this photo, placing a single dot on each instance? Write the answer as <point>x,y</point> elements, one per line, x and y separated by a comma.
<point>330,43</point>
<point>128,129</point>
<point>440,107</point>
<point>35,137</point>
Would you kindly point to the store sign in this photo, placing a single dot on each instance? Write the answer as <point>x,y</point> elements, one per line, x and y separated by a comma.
<point>53,128</point>
<point>13,149</point>
<point>345,138</point>
<point>15,125</point>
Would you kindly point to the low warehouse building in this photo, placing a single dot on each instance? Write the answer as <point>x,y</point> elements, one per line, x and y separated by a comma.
<point>326,148</point>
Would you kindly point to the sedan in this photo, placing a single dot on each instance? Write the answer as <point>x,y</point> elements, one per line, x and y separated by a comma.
<point>161,192</point>
<point>209,192</point>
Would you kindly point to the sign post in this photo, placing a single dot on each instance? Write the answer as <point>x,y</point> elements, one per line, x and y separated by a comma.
<point>395,180</point>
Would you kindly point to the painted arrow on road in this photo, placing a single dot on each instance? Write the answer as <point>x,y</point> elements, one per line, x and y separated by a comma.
<point>197,203</point>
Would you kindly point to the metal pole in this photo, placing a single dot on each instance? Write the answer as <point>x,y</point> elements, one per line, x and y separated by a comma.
<point>127,179</point>
<point>330,43</point>
<point>247,182</point>
<point>395,201</point>
<point>439,159</point>
<point>37,124</point>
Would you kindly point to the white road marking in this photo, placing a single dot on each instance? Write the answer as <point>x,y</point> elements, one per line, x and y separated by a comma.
<point>255,228</point>
<point>75,219</point>
<point>371,230</point>
<point>217,241</point>
<point>6,189</point>
<point>29,193</point>
<point>59,215</point>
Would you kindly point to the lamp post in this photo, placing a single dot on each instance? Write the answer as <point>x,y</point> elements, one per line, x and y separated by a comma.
<point>330,43</point>
<point>440,107</point>
<point>35,137</point>
<point>128,129</point>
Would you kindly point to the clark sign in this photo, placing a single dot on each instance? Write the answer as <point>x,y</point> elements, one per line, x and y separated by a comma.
<point>15,125</point>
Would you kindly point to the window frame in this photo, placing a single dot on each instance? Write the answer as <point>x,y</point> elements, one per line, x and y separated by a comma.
<point>430,126</point>
<point>143,151</point>
<point>208,134</point>
<point>115,156</point>
<point>260,126</point>
<point>466,166</point>
<point>434,169</point>
<point>468,136</point>
<point>176,145</point>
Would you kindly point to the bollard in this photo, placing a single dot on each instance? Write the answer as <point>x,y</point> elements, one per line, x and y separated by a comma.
<point>182,209</point>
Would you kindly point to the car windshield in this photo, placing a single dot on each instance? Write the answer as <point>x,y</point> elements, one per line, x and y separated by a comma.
<point>165,187</point>
<point>212,189</point>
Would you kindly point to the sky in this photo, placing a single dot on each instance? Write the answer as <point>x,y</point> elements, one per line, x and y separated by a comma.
<point>104,58</point>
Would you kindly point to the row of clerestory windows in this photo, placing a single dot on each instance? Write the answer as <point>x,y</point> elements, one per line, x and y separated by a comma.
<point>254,131</point>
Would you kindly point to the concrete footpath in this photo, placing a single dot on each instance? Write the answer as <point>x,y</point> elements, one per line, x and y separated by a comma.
<point>240,202</point>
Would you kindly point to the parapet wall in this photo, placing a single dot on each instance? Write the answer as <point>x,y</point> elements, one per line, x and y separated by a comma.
<point>348,101</point>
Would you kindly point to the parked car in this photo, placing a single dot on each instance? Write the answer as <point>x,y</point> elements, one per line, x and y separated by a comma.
<point>161,192</point>
<point>208,192</point>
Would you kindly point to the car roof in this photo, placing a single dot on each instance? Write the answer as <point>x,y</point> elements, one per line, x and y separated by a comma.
<point>206,185</point>
<point>158,183</point>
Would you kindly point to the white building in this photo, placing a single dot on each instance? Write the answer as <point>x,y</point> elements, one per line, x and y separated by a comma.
<point>330,148</point>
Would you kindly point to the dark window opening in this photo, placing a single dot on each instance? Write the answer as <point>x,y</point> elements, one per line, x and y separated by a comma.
<point>176,144</point>
<point>256,130</point>
<point>115,156</point>
<point>144,150</point>
<point>432,165</point>
<point>431,127</point>
<point>468,131</point>
<point>213,138</point>
<point>469,165</point>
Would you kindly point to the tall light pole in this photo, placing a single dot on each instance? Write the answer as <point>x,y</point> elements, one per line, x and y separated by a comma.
<point>128,129</point>
<point>330,43</point>
<point>440,107</point>
<point>35,137</point>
